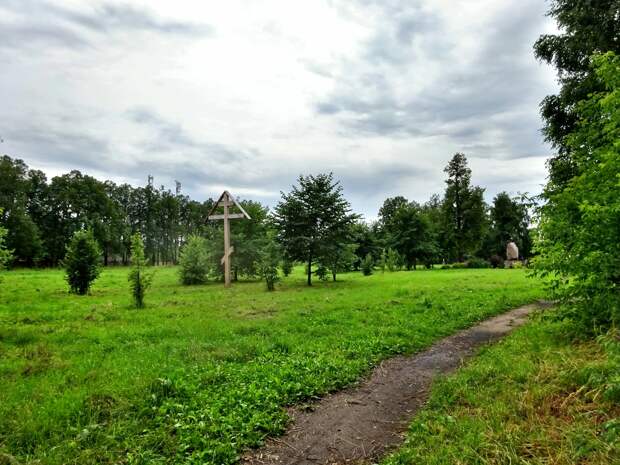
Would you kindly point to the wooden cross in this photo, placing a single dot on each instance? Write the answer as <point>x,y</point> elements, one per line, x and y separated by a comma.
<point>226,200</point>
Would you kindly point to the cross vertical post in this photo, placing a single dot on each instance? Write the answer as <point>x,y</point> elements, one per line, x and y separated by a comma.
<point>227,201</point>
<point>226,242</point>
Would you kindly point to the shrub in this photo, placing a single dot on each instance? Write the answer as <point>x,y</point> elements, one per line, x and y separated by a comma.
<point>497,261</point>
<point>5,254</point>
<point>476,262</point>
<point>138,278</point>
<point>267,265</point>
<point>393,260</point>
<point>82,262</point>
<point>287,266</point>
<point>383,261</point>
<point>368,265</point>
<point>194,261</point>
<point>459,265</point>
<point>322,272</point>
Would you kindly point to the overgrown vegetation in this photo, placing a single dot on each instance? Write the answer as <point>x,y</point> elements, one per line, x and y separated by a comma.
<point>203,372</point>
<point>82,262</point>
<point>534,398</point>
<point>579,224</point>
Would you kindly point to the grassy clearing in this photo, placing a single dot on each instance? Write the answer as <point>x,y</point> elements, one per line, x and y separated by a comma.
<point>204,372</point>
<point>534,398</point>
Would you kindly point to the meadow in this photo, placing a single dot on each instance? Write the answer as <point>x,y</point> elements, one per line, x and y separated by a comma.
<point>202,372</point>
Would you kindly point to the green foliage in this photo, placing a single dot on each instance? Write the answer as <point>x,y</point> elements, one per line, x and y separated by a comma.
<point>476,262</point>
<point>393,260</point>
<point>82,261</point>
<point>206,373</point>
<point>6,255</point>
<point>313,219</point>
<point>382,263</point>
<point>267,267</point>
<point>194,261</point>
<point>287,266</point>
<point>533,398</point>
<point>585,27</point>
<point>139,279</point>
<point>510,220</point>
<point>464,211</point>
<point>368,265</point>
<point>578,231</point>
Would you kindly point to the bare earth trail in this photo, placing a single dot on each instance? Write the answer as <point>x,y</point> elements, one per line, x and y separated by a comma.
<point>360,424</point>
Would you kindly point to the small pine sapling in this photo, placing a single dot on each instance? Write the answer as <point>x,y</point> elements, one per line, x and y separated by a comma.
<point>368,265</point>
<point>138,277</point>
<point>287,266</point>
<point>382,261</point>
<point>194,261</point>
<point>82,262</point>
<point>392,260</point>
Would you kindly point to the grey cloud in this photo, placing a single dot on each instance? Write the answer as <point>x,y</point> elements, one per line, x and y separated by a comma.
<point>464,102</point>
<point>43,24</point>
<point>170,136</point>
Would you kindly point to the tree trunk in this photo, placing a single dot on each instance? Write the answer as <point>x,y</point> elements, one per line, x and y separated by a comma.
<point>310,270</point>
<point>334,275</point>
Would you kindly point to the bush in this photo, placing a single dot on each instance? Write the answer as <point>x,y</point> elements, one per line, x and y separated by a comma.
<point>393,260</point>
<point>322,272</point>
<point>82,262</point>
<point>368,265</point>
<point>497,261</point>
<point>459,266</point>
<point>138,277</point>
<point>5,254</point>
<point>476,262</point>
<point>287,267</point>
<point>267,265</point>
<point>383,261</point>
<point>194,261</point>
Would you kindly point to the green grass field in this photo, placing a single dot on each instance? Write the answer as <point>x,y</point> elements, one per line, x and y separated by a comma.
<point>203,372</point>
<point>534,398</point>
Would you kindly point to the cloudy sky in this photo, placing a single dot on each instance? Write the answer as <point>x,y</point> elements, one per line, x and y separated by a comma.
<point>247,95</point>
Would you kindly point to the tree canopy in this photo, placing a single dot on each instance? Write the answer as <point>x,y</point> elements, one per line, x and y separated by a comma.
<point>312,219</point>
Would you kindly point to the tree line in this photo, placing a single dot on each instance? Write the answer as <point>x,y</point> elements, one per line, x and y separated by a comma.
<point>313,223</point>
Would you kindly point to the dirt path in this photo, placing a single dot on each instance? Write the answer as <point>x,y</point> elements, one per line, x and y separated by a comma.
<point>359,424</point>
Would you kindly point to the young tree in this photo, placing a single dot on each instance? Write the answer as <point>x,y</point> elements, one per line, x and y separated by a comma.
<point>585,27</point>
<point>312,218</point>
<point>82,261</point>
<point>464,210</point>
<point>139,279</point>
<point>5,254</point>
<point>267,265</point>
<point>393,260</point>
<point>287,266</point>
<point>368,265</point>
<point>194,261</point>
<point>579,228</point>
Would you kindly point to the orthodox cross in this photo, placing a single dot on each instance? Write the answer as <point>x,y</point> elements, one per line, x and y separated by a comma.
<point>227,201</point>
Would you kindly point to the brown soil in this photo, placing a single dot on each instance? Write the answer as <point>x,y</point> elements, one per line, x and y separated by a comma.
<point>360,424</point>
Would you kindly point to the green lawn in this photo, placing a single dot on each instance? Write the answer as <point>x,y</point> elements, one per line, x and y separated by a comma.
<point>535,398</point>
<point>203,372</point>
